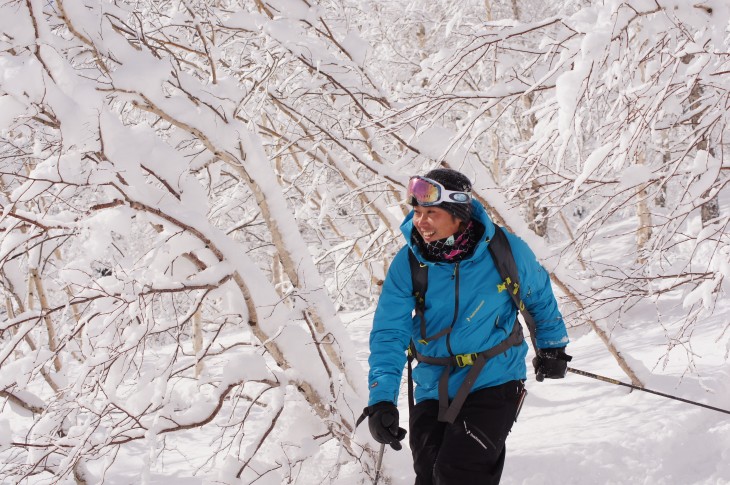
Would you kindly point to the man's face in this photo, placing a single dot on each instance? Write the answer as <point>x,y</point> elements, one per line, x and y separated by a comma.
<point>434,223</point>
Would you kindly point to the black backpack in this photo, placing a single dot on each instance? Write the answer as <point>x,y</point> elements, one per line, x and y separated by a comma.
<point>504,260</point>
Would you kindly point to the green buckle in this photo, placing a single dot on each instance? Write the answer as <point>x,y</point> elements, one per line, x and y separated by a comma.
<point>462,360</point>
<point>423,341</point>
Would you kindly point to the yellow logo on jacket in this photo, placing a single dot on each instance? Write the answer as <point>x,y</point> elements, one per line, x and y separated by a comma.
<point>504,286</point>
<point>481,304</point>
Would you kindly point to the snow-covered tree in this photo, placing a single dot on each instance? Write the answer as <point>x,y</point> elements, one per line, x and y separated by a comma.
<point>188,192</point>
<point>625,104</point>
<point>193,191</point>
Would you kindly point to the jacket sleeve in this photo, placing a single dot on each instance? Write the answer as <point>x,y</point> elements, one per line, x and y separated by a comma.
<point>391,332</point>
<point>537,294</point>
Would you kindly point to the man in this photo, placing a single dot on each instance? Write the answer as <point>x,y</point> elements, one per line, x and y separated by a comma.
<point>457,439</point>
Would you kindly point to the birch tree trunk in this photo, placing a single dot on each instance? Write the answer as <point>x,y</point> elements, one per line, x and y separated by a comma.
<point>710,209</point>
<point>643,233</point>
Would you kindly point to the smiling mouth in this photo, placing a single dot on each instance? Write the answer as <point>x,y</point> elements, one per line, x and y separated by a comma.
<point>429,234</point>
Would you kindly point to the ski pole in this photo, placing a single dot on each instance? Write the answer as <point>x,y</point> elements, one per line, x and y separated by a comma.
<point>619,383</point>
<point>379,463</point>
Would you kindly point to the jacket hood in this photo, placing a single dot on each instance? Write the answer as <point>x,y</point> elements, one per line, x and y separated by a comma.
<point>478,213</point>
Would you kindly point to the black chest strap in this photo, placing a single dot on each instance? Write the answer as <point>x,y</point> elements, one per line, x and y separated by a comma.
<point>448,410</point>
<point>501,253</point>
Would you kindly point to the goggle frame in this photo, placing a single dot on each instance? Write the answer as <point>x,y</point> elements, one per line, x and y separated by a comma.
<point>444,195</point>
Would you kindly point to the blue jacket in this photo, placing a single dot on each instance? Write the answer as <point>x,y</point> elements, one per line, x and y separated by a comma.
<point>484,317</point>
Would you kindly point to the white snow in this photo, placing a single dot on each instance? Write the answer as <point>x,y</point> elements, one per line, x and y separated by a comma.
<point>144,225</point>
<point>584,431</point>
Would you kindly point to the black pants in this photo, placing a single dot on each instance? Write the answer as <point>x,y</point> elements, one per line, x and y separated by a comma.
<point>471,450</point>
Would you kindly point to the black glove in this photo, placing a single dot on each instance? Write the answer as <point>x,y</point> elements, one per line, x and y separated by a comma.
<point>383,424</point>
<point>551,363</point>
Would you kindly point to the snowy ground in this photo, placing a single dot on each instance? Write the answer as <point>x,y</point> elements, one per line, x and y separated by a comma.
<point>584,431</point>
<point>572,431</point>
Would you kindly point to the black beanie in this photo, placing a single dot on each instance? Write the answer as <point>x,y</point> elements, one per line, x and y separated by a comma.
<point>453,180</point>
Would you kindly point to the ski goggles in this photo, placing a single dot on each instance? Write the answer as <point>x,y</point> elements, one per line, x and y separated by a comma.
<point>427,192</point>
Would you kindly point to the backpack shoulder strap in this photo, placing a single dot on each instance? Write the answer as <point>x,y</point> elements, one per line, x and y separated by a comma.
<point>504,260</point>
<point>419,277</point>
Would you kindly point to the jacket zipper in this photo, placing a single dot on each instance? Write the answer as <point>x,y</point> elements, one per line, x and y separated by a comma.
<point>454,277</point>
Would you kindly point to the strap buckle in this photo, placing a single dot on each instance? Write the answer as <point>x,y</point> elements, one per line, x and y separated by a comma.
<point>462,360</point>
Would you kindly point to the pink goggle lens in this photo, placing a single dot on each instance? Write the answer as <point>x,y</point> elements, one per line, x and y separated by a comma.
<point>423,191</point>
